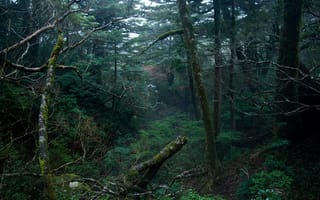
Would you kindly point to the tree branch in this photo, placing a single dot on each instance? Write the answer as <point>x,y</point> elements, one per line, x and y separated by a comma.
<point>86,37</point>
<point>162,37</point>
<point>37,32</point>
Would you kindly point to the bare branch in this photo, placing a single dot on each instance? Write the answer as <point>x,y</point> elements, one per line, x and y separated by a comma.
<point>20,174</point>
<point>28,38</point>
<point>313,13</point>
<point>37,32</point>
<point>42,68</point>
<point>86,37</point>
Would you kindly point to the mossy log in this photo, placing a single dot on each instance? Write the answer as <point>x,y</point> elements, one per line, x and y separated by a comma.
<point>140,175</point>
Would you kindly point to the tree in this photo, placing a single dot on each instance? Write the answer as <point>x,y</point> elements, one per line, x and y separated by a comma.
<point>232,66</point>
<point>15,58</point>
<point>210,137</point>
<point>218,67</point>
<point>43,120</point>
<point>289,63</point>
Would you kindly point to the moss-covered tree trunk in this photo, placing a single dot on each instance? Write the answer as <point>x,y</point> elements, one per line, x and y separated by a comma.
<point>217,68</point>
<point>43,121</point>
<point>192,89</point>
<point>288,63</point>
<point>210,137</point>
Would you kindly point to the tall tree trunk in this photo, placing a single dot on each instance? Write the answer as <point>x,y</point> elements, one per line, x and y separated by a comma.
<point>231,69</point>
<point>288,61</point>
<point>191,88</point>
<point>210,137</point>
<point>218,67</point>
<point>43,121</point>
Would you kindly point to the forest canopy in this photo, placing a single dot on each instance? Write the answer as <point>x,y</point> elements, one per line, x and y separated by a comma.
<point>159,99</point>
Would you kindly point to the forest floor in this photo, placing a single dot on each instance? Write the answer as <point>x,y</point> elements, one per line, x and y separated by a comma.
<point>237,171</point>
<point>233,174</point>
<point>303,157</point>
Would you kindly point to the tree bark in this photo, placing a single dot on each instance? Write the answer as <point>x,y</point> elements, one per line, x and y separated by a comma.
<point>114,103</point>
<point>231,69</point>
<point>288,63</point>
<point>43,121</point>
<point>210,137</point>
<point>191,88</point>
<point>288,59</point>
<point>218,67</point>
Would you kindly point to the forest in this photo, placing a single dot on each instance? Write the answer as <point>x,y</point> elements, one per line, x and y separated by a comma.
<point>159,99</point>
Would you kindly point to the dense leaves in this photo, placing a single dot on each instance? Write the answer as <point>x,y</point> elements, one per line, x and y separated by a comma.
<point>124,89</point>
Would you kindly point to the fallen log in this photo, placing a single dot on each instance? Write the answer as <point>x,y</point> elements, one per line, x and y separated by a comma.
<point>140,175</point>
<point>132,185</point>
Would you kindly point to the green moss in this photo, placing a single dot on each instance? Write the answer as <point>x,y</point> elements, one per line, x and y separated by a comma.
<point>131,175</point>
<point>50,187</point>
<point>57,47</point>
<point>169,33</point>
<point>71,176</point>
<point>44,114</point>
<point>42,163</point>
<point>53,59</point>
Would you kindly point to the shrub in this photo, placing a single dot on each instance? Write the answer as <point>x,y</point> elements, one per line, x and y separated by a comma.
<point>306,184</point>
<point>192,195</point>
<point>274,185</point>
<point>161,132</point>
<point>152,139</point>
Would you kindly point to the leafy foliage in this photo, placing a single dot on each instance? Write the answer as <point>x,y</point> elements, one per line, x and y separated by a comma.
<point>274,185</point>
<point>154,137</point>
<point>306,182</point>
<point>227,149</point>
<point>191,195</point>
<point>102,116</point>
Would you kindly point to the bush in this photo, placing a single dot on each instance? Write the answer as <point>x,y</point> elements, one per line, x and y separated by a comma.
<point>192,195</point>
<point>226,148</point>
<point>274,185</point>
<point>161,132</point>
<point>152,139</point>
<point>306,184</point>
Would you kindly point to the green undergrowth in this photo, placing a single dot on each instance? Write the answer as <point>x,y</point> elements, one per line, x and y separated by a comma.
<point>273,179</point>
<point>152,139</point>
<point>274,185</point>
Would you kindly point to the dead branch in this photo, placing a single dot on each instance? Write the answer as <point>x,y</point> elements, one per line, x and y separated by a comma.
<point>42,68</point>
<point>86,37</point>
<point>37,32</point>
<point>20,174</point>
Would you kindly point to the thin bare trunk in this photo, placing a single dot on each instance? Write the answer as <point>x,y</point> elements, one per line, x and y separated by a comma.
<point>43,121</point>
